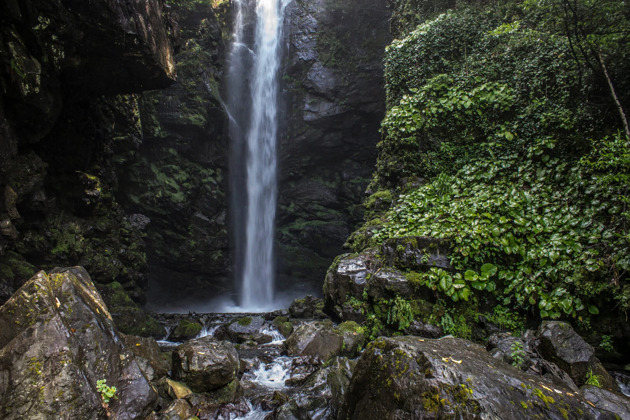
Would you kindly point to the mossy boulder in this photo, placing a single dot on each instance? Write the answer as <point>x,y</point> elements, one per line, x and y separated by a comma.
<point>56,341</point>
<point>284,325</point>
<point>321,339</point>
<point>205,364</point>
<point>559,343</point>
<point>307,307</point>
<point>185,330</point>
<point>353,336</point>
<point>411,377</point>
<point>128,316</point>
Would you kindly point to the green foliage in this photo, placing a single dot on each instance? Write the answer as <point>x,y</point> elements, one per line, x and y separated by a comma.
<point>107,392</point>
<point>522,229</point>
<point>456,324</point>
<point>506,319</point>
<point>517,354</point>
<point>373,326</point>
<point>245,321</point>
<point>399,313</point>
<point>593,379</point>
<point>410,62</point>
<point>606,343</point>
<point>522,176</point>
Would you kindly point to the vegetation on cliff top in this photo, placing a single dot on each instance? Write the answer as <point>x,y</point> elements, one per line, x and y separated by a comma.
<point>505,135</point>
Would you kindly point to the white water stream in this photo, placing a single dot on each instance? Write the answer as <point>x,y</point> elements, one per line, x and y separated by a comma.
<point>254,132</point>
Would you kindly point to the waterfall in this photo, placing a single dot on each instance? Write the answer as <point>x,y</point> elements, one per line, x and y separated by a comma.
<point>253,87</point>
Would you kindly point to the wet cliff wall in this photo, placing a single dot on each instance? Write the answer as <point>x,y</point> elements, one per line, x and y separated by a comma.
<point>70,72</point>
<point>333,85</point>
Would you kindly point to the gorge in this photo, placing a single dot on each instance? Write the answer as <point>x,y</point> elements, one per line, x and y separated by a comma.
<point>446,181</point>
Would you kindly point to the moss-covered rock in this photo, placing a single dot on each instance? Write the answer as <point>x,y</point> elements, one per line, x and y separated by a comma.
<point>179,179</point>
<point>450,377</point>
<point>56,341</point>
<point>334,88</point>
<point>68,73</point>
<point>185,330</point>
<point>284,325</point>
<point>206,364</point>
<point>307,307</point>
<point>353,338</point>
<point>128,316</point>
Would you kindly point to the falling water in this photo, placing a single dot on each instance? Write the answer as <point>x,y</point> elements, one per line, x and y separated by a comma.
<point>253,101</point>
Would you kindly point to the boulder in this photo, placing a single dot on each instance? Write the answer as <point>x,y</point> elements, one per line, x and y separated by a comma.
<point>147,355</point>
<point>209,404</point>
<point>321,339</point>
<point>353,336</point>
<point>176,390</point>
<point>57,340</point>
<point>177,410</point>
<point>185,330</point>
<point>417,253</point>
<point>347,278</point>
<point>308,307</point>
<point>510,349</point>
<point>388,283</point>
<point>414,378</point>
<point>301,368</point>
<point>205,364</point>
<point>422,329</point>
<point>314,339</point>
<point>615,403</point>
<point>560,344</point>
<point>283,325</point>
<point>245,329</point>
<point>321,396</point>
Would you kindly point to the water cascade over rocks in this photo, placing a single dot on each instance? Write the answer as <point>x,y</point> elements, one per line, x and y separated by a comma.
<point>253,103</point>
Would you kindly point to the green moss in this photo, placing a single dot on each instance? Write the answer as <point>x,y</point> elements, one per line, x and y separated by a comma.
<point>245,321</point>
<point>350,327</point>
<point>186,329</point>
<point>378,202</point>
<point>283,325</point>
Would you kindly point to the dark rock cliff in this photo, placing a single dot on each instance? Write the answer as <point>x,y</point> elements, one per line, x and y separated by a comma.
<point>333,85</point>
<point>179,180</point>
<point>68,118</point>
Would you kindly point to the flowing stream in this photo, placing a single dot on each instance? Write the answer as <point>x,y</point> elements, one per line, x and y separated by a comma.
<point>253,85</point>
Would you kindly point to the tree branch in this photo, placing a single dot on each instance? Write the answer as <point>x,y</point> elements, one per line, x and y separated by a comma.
<point>622,114</point>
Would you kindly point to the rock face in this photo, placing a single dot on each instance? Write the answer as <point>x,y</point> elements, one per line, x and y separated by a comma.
<point>245,329</point>
<point>560,344</point>
<point>179,180</point>
<point>205,364</point>
<point>67,119</point>
<point>56,341</point>
<point>334,92</point>
<point>615,403</point>
<point>320,339</point>
<point>148,356</point>
<point>412,378</point>
<point>322,394</point>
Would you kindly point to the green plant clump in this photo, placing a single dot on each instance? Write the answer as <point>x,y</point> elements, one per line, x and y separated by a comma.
<point>107,392</point>
<point>593,379</point>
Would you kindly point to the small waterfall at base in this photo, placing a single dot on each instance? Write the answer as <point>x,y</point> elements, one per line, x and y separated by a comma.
<point>253,87</point>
